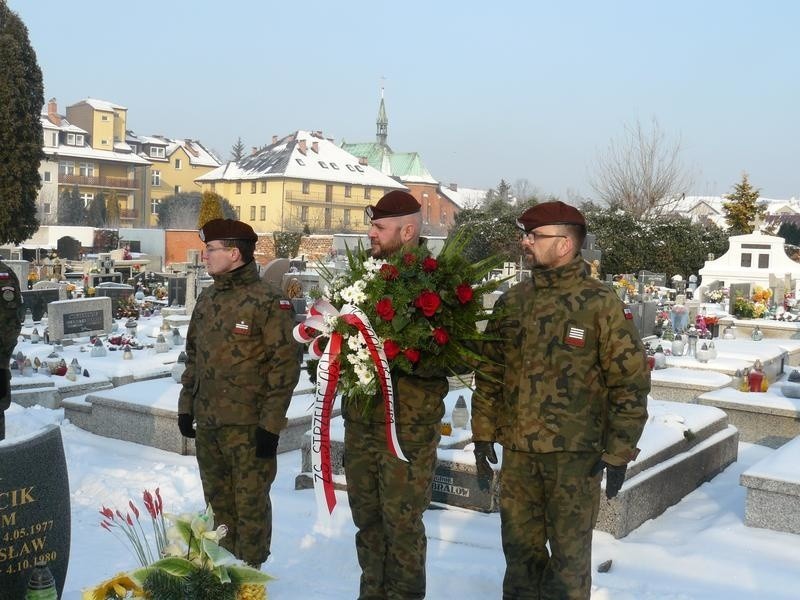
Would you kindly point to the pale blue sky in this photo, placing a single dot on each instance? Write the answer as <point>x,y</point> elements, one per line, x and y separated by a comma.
<point>482,90</point>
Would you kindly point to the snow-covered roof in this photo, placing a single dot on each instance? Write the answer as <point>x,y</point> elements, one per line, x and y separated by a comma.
<point>65,125</point>
<point>463,197</point>
<point>286,158</point>
<point>62,150</point>
<point>198,154</point>
<point>97,104</point>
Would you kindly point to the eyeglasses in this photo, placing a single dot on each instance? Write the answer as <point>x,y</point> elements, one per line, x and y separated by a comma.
<point>532,236</point>
<point>208,250</point>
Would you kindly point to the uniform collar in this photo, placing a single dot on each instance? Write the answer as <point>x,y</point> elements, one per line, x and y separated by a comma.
<point>560,276</point>
<point>245,274</point>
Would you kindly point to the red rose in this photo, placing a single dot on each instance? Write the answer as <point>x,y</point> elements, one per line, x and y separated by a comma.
<point>409,258</point>
<point>385,309</point>
<point>392,349</point>
<point>428,302</point>
<point>464,293</point>
<point>440,336</point>
<point>389,272</point>
<point>412,355</point>
<point>429,264</point>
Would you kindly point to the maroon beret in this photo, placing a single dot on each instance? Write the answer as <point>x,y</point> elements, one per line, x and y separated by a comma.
<point>396,203</point>
<point>226,229</point>
<point>550,213</point>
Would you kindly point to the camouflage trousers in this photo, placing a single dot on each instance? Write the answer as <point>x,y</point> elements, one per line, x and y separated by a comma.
<point>236,483</point>
<point>387,498</point>
<point>548,497</point>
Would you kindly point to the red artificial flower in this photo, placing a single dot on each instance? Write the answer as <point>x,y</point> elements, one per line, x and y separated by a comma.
<point>428,302</point>
<point>391,348</point>
<point>409,258</point>
<point>430,264</point>
<point>159,501</point>
<point>147,497</point>
<point>389,272</point>
<point>464,293</point>
<point>107,513</point>
<point>133,508</point>
<point>440,336</point>
<point>106,525</point>
<point>412,355</point>
<point>385,309</point>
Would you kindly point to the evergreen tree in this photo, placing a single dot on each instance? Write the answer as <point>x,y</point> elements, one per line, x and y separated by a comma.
<point>21,101</point>
<point>71,210</point>
<point>494,228</point>
<point>96,211</point>
<point>501,194</point>
<point>112,210</point>
<point>790,233</point>
<point>742,207</point>
<point>182,210</point>
<point>210,208</point>
<point>237,150</point>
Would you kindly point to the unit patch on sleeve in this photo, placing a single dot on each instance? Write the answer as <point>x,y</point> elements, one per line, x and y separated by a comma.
<point>628,313</point>
<point>285,305</point>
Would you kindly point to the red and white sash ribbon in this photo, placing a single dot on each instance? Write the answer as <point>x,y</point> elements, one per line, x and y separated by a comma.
<point>328,371</point>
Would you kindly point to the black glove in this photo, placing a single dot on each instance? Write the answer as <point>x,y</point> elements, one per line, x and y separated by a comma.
<point>185,422</point>
<point>484,454</point>
<point>615,476</point>
<point>266,443</point>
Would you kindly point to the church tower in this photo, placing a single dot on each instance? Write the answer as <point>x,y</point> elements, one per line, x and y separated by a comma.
<point>383,123</point>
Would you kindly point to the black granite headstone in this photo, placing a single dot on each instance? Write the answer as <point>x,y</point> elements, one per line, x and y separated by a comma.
<point>34,510</point>
<point>456,484</point>
<point>176,290</point>
<point>68,248</point>
<point>37,301</point>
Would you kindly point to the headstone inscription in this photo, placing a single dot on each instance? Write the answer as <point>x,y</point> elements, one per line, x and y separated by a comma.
<point>34,510</point>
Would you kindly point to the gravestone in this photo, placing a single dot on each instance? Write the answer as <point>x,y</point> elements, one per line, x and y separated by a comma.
<point>651,278</point>
<point>739,289</point>
<point>52,285</point>
<point>644,316</point>
<point>116,291</point>
<point>34,510</point>
<point>590,252</point>
<point>176,290</point>
<point>68,248</point>
<point>37,300</point>
<point>275,270</point>
<point>79,318</point>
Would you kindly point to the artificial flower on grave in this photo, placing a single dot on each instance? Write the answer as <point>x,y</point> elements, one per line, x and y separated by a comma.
<point>716,296</point>
<point>762,295</point>
<point>182,561</point>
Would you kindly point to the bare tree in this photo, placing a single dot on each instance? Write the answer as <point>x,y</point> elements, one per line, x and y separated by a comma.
<point>523,190</point>
<point>642,173</point>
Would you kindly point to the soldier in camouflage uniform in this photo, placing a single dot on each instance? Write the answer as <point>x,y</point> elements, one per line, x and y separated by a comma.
<point>388,496</point>
<point>10,325</point>
<point>566,397</point>
<point>242,365</point>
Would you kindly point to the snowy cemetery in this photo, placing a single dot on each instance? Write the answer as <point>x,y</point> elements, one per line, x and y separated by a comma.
<point>716,487</point>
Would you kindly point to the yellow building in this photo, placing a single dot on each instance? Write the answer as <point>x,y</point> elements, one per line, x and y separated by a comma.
<point>175,166</point>
<point>300,181</point>
<point>86,148</point>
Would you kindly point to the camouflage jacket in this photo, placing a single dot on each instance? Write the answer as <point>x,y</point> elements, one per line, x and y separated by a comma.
<point>242,363</point>
<point>570,373</point>
<point>417,401</point>
<point>10,305</point>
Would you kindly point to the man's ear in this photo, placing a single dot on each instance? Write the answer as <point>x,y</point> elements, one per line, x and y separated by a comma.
<point>407,232</point>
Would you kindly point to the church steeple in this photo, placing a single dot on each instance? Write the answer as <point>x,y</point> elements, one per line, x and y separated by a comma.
<point>382,122</point>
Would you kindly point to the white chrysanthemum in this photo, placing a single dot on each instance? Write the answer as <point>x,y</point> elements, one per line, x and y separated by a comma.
<point>364,372</point>
<point>330,322</point>
<point>354,342</point>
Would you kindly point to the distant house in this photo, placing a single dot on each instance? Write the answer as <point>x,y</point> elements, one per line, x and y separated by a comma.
<point>302,180</point>
<point>176,164</point>
<point>86,149</point>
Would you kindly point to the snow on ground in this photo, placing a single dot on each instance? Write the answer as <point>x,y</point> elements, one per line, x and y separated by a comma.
<point>697,550</point>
